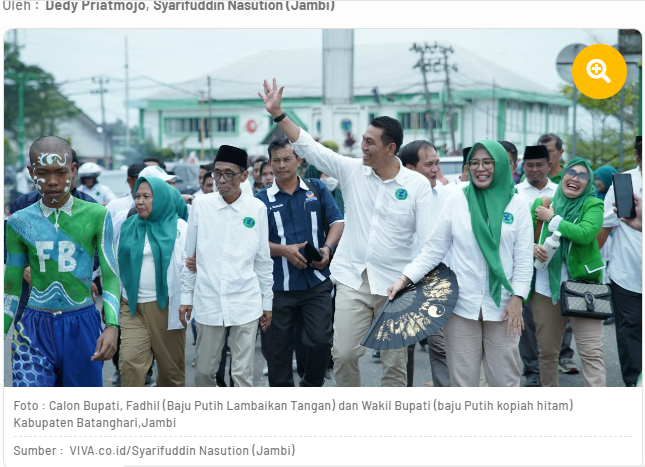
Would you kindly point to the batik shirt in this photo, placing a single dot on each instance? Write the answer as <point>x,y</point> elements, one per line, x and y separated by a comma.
<point>59,246</point>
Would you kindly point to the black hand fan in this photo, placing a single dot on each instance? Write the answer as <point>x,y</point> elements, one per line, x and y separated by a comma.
<point>418,311</point>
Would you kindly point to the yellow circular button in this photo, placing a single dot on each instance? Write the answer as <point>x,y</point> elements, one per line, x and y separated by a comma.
<point>599,71</point>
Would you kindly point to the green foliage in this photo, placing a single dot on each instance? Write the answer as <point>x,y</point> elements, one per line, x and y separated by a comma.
<point>330,145</point>
<point>43,105</point>
<point>10,157</point>
<point>602,146</point>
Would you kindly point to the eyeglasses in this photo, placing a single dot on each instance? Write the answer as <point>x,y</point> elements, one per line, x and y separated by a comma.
<point>486,163</point>
<point>228,176</point>
<point>582,176</point>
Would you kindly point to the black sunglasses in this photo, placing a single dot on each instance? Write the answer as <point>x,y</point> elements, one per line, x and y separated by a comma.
<point>582,176</point>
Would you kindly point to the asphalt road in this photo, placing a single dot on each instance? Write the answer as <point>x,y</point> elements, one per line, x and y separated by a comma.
<point>371,369</point>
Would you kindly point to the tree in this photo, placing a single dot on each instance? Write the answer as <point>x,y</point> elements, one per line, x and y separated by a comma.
<point>602,146</point>
<point>10,157</point>
<point>349,142</point>
<point>330,145</point>
<point>44,105</point>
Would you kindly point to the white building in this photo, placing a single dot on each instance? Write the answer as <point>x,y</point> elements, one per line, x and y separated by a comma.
<point>84,135</point>
<point>490,101</point>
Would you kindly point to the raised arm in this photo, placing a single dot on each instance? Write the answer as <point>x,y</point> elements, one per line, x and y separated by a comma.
<point>325,160</point>
<point>16,262</point>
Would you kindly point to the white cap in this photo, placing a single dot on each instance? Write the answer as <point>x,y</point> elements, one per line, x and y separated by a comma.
<point>156,172</point>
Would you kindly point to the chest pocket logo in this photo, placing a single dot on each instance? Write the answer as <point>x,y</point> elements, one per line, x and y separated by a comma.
<point>310,197</point>
<point>178,234</point>
<point>401,194</point>
<point>248,222</point>
<point>507,218</point>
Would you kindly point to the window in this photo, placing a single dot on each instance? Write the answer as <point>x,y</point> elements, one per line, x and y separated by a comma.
<point>514,115</point>
<point>193,125</point>
<point>371,116</point>
<point>557,118</point>
<point>182,125</point>
<point>224,124</point>
<point>407,120</point>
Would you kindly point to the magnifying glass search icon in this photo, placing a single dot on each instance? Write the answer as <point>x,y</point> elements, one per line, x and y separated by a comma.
<point>596,69</point>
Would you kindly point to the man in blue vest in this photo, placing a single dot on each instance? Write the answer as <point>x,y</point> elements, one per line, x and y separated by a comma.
<point>300,212</point>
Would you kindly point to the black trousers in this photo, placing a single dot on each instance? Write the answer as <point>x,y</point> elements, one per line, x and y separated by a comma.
<point>301,350</point>
<point>528,343</point>
<point>314,308</point>
<point>628,309</point>
<point>221,371</point>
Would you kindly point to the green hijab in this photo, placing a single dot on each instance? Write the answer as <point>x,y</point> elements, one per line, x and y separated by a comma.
<point>570,210</point>
<point>487,211</point>
<point>161,228</point>
<point>604,173</point>
<point>313,172</point>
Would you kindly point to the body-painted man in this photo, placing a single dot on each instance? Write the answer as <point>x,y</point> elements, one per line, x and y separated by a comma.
<point>58,341</point>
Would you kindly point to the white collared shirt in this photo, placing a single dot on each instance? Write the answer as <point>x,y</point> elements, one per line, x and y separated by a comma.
<point>456,185</point>
<point>454,231</point>
<point>382,216</point>
<point>101,193</point>
<point>439,195</point>
<point>626,263</point>
<point>531,193</point>
<point>234,279</point>
<point>124,203</point>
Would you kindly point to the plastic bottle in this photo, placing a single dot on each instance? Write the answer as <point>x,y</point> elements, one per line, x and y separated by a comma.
<point>551,244</point>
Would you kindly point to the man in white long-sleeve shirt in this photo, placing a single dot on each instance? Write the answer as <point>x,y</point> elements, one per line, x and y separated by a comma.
<point>233,285</point>
<point>385,205</point>
<point>421,156</point>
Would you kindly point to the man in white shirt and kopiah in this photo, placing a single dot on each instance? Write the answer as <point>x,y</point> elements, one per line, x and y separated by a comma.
<point>385,205</point>
<point>233,284</point>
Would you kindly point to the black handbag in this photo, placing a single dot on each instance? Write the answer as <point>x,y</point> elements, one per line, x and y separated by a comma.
<point>585,299</point>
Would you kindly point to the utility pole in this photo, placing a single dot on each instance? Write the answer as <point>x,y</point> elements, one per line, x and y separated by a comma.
<point>127,97</point>
<point>575,109</point>
<point>201,126</point>
<point>450,117</point>
<point>210,118</point>
<point>434,59</point>
<point>425,67</point>
<point>100,91</point>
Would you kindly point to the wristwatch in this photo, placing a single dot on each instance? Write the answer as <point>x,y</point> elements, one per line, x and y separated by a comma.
<point>332,250</point>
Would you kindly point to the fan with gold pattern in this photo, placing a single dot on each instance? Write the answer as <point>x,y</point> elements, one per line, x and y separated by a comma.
<point>418,311</point>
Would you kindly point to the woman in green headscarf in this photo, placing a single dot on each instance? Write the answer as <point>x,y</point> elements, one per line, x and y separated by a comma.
<point>603,180</point>
<point>577,214</point>
<point>488,230</point>
<point>151,256</point>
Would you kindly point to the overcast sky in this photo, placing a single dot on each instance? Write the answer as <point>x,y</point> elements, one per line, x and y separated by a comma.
<point>176,55</point>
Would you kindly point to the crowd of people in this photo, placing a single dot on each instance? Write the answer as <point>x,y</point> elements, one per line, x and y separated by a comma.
<point>304,255</point>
